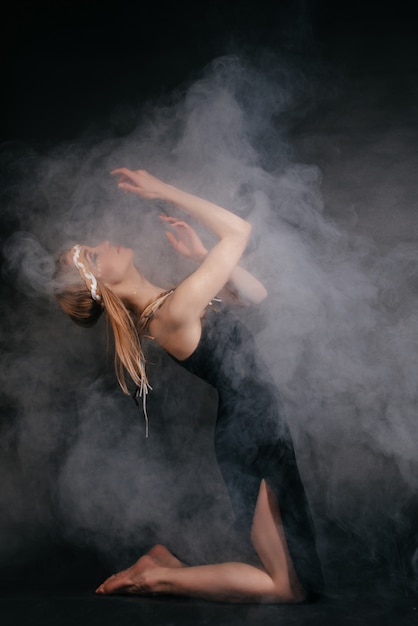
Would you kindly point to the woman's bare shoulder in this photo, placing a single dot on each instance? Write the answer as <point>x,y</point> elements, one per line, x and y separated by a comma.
<point>179,339</point>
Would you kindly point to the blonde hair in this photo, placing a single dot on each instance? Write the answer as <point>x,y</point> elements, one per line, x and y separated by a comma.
<point>75,299</point>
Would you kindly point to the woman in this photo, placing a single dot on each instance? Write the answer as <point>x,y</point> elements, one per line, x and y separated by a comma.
<point>252,441</point>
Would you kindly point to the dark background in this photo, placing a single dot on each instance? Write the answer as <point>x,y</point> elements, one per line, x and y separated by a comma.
<point>70,68</point>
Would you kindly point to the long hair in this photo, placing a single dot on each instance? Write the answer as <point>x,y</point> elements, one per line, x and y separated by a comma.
<point>75,299</point>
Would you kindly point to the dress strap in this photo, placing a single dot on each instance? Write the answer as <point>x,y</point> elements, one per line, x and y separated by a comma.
<point>150,310</point>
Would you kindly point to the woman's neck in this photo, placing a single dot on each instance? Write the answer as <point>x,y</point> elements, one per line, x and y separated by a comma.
<point>140,300</point>
<point>137,292</point>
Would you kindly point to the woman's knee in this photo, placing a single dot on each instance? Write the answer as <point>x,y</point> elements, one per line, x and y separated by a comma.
<point>283,592</point>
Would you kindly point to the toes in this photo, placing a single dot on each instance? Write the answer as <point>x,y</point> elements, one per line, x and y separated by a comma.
<point>134,580</point>
<point>117,583</point>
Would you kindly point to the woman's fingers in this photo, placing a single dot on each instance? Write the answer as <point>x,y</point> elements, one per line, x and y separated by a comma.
<point>139,182</point>
<point>127,173</point>
<point>124,174</point>
<point>171,239</point>
<point>166,218</point>
<point>120,170</point>
<point>173,221</point>
<point>128,187</point>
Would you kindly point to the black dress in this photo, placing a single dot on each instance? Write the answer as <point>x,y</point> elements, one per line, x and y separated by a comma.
<point>252,439</point>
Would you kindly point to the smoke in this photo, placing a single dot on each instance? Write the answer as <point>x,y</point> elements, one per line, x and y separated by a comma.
<point>338,330</point>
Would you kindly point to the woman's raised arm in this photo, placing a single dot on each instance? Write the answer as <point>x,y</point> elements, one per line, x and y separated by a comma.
<point>242,287</point>
<point>215,218</point>
<point>194,293</point>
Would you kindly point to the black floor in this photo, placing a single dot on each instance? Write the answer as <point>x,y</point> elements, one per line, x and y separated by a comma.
<point>63,608</point>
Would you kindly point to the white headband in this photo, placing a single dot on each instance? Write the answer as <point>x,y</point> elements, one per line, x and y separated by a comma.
<point>87,276</point>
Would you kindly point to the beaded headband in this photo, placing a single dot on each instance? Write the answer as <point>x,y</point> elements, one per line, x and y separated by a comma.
<point>88,277</point>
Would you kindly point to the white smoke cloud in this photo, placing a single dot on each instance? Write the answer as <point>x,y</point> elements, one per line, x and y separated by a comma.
<point>338,330</point>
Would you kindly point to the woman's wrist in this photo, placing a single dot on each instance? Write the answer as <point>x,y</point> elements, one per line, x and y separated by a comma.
<point>200,257</point>
<point>169,193</point>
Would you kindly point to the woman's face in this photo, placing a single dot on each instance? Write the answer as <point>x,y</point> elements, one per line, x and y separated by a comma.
<point>109,264</point>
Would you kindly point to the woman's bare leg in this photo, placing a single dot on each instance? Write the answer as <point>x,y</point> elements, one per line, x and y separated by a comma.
<point>162,573</point>
<point>269,541</point>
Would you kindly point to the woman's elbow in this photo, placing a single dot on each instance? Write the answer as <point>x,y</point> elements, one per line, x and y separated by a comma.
<point>247,228</point>
<point>260,294</point>
<point>254,294</point>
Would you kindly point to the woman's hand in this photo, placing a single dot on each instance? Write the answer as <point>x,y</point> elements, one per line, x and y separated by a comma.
<point>140,182</point>
<point>185,241</point>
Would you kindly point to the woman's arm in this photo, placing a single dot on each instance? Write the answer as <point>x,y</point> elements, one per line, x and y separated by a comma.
<point>193,294</point>
<point>221,222</point>
<point>242,287</point>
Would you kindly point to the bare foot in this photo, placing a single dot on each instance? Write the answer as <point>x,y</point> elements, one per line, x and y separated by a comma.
<point>141,577</point>
<point>137,579</point>
<point>164,557</point>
